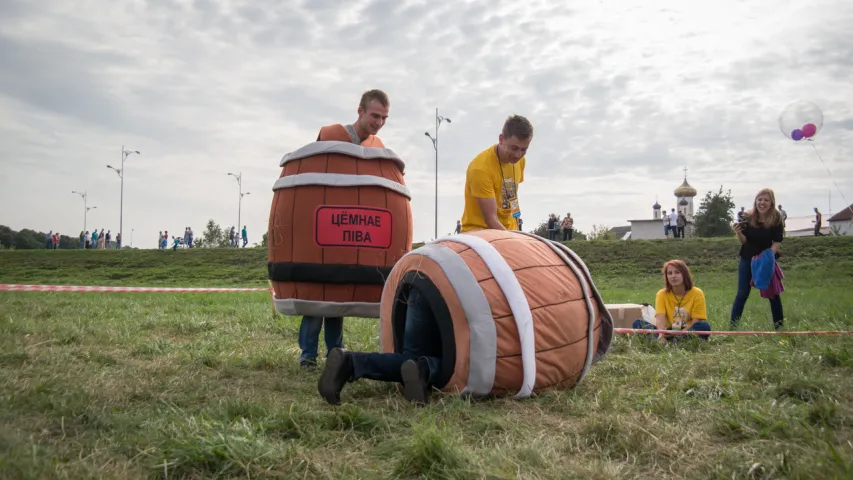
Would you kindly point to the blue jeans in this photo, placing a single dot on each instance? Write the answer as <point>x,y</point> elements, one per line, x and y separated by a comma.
<point>309,335</point>
<point>700,326</point>
<point>744,277</point>
<point>421,340</point>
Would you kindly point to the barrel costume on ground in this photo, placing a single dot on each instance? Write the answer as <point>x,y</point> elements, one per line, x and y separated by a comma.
<point>517,313</point>
<point>340,219</point>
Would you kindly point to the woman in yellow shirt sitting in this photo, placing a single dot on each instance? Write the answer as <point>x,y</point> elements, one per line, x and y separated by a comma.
<point>679,305</point>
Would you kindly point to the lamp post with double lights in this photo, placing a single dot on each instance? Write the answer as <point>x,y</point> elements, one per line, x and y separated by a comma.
<point>438,120</point>
<point>239,177</point>
<point>120,172</point>
<point>86,208</point>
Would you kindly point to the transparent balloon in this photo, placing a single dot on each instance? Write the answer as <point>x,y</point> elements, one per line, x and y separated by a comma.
<point>801,121</point>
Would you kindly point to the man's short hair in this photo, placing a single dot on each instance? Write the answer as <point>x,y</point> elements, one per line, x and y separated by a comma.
<point>518,127</point>
<point>371,95</point>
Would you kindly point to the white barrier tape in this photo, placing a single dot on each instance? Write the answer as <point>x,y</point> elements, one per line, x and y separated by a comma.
<point>77,288</point>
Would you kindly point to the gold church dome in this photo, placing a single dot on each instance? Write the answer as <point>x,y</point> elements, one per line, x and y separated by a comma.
<point>685,190</point>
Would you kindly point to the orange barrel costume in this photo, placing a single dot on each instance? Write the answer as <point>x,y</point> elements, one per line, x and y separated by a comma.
<point>516,312</point>
<point>340,219</point>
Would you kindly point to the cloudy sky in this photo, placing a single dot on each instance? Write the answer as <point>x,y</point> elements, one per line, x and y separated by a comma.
<point>623,95</point>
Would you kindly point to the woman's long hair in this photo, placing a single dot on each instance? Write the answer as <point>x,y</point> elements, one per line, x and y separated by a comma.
<point>772,218</point>
<point>685,275</point>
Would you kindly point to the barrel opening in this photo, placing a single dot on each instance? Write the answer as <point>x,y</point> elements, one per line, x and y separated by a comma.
<point>441,314</point>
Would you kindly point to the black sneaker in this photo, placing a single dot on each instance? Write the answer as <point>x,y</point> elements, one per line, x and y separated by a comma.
<point>308,364</point>
<point>338,370</point>
<point>415,375</point>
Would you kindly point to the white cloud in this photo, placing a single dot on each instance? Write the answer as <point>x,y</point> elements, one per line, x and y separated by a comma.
<point>622,95</point>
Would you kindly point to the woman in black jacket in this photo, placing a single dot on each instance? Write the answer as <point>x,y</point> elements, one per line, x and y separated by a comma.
<point>760,229</point>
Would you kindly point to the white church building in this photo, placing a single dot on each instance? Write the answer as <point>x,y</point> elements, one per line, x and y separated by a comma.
<point>651,228</point>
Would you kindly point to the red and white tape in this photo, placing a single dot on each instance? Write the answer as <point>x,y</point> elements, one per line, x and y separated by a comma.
<point>77,288</point>
<point>631,331</point>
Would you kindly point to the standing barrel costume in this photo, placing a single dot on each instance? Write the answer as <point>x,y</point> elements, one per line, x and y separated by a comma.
<point>340,219</point>
<point>516,312</point>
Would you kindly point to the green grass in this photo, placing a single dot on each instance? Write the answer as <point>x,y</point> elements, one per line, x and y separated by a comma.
<point>208,386</point>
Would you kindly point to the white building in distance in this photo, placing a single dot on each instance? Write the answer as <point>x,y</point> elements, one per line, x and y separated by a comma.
<point>651,228</point>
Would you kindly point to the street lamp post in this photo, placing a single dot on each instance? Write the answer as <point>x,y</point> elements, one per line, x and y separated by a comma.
<point>239,177</point>
<point>85,208</point>
<point>84,219</point>
<point>120,172</point>
<point>438,120</point>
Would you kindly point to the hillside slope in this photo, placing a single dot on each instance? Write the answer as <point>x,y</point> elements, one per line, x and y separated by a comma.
<point>247,267</point>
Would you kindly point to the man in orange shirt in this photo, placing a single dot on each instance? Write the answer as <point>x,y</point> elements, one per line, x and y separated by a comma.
<point>372,114</point>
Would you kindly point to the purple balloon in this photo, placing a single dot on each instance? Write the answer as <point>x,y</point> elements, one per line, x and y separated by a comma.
<point>797,134</point>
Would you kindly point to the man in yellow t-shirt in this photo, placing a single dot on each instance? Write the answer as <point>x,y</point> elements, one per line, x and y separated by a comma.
<point>492,179</point>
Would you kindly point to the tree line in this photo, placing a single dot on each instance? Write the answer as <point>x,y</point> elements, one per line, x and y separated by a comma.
<point>27,239</point>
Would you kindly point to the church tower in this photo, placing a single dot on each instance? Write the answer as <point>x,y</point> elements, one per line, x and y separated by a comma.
<point>656,210</point>
<point>684,196</point>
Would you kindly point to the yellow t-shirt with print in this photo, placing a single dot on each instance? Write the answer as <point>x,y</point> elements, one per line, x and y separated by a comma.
<point>691,307</point>
<point>488,178</point>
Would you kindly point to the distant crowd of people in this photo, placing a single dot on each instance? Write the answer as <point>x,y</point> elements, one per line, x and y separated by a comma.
<point>674,223</point>
<point>177,242</point>
<point>187,240</point>
<point>555,226</point>
<point>94,240</point>
<point>98,239</point>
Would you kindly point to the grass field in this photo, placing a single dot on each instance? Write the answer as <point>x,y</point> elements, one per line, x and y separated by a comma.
<point>142,385</point>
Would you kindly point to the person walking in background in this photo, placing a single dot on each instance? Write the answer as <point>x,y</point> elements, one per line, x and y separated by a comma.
<point>88,239</point>
<point>552,227</point>
<point>681,223</point>
<point>761,231</point>
<point>673,223</point>
<point>784,216</point>
<point>118,241</point>
<point>82,240</point>
<point>568,226</point>
<point>818,222</point>
<point>245,236</point>
<point>48,240</point>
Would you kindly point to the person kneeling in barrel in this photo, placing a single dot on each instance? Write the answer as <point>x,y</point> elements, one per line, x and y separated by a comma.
<point>679,305</point>
<point>416,367</point>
